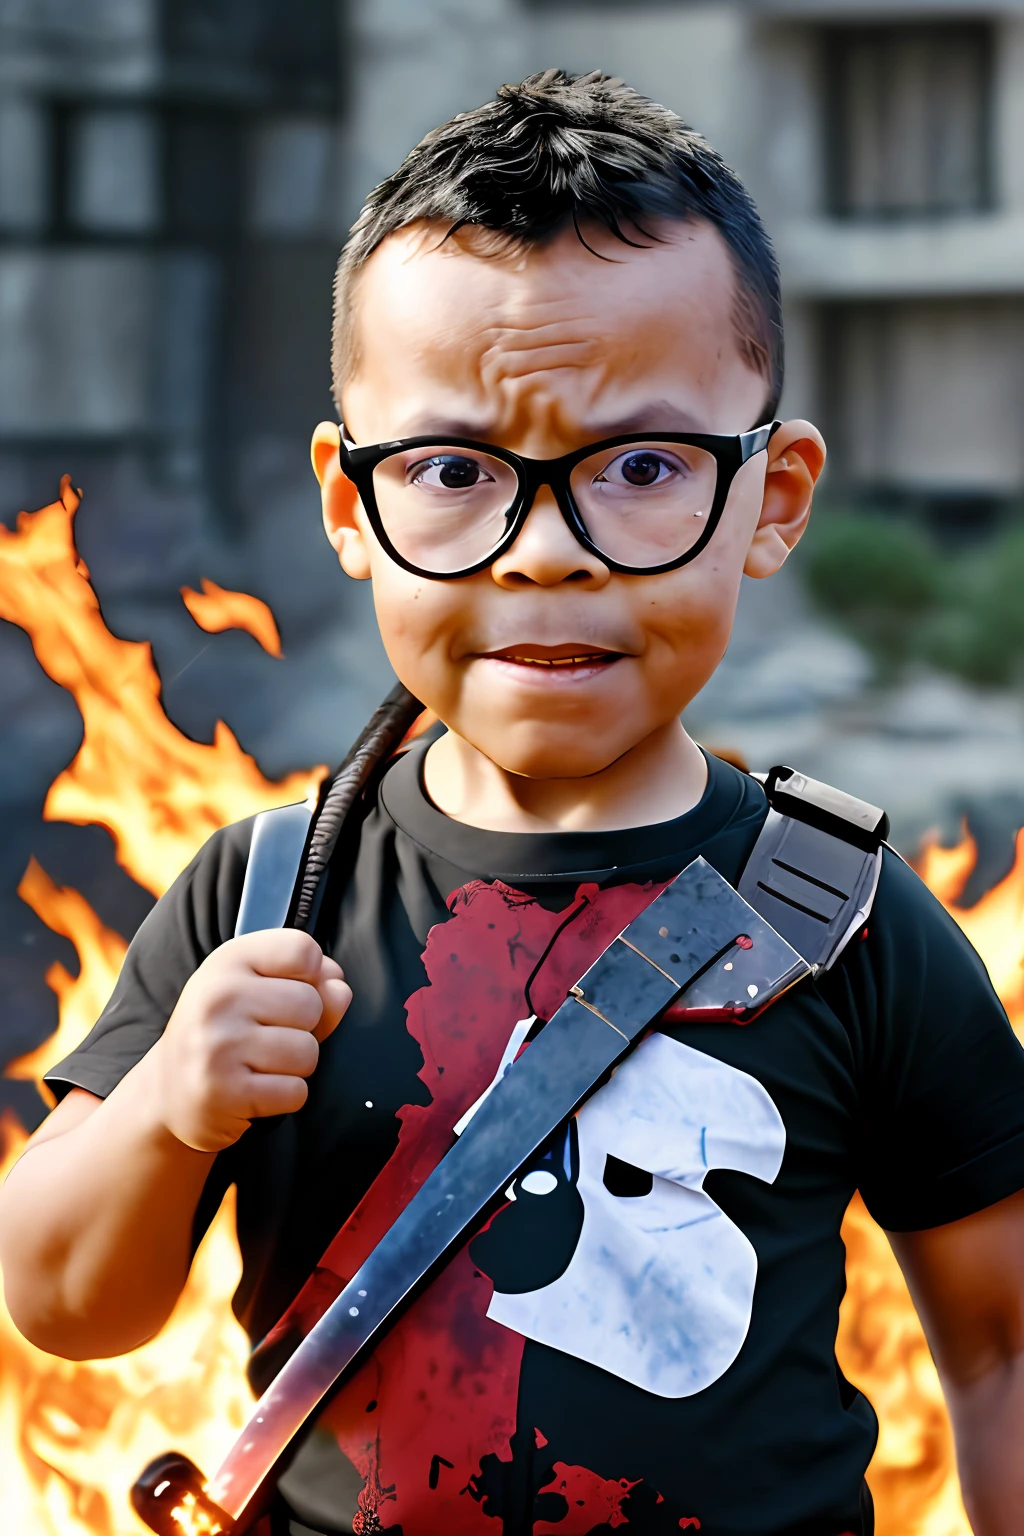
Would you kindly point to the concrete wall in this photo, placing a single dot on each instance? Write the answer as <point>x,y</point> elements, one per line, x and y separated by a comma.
<point>933,396</point>
<point>907,332</point>
<point>73,343</point>
<point>91,45</point>
<point>412,63</point>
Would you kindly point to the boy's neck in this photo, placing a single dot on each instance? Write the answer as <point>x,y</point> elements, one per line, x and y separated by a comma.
<point>662,777</point>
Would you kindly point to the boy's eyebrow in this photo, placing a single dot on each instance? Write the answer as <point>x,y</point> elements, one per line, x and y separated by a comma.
<point>447,426</point>
<point>655,416</point>
<point>658,415</point>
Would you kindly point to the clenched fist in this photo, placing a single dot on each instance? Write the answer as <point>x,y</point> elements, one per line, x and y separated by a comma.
<point>246,1034</point>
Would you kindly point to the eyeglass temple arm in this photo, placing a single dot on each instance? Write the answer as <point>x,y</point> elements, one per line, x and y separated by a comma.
<point>753,442</point>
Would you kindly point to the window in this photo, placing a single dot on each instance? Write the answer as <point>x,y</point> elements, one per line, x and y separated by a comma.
<point>923,396</point>
<point>283,53</point>
<point>909,120</point>
<point>24,166</point>
<point>113,164</point>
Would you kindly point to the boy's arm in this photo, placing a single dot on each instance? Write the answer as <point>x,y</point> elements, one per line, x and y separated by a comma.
<point>96,1222</point>
<point>967,1281</point>
<point>96,1217</point>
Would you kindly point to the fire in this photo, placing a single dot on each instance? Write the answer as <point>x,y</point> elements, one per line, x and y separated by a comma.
<point>73,1436</point>
<point>882,1349</point>
<point>994,925</point>
<point>80,998</point>
<point>159,794</point>
<point>881,1345</point>
<point>194,1521</point>
<point>215,609</point>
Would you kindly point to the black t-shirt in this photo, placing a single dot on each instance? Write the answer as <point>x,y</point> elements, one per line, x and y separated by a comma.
<point>644,1335</point>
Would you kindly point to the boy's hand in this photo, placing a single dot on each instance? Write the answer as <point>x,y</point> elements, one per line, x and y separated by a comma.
<point>245,1035</point>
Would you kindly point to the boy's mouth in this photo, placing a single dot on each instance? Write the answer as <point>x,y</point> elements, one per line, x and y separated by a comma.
<point>555,658</point>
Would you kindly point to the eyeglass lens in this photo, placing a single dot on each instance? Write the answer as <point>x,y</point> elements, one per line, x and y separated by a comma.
<point>642,504</point>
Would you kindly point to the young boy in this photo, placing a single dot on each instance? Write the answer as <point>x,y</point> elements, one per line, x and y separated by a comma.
<point>644,1335</point>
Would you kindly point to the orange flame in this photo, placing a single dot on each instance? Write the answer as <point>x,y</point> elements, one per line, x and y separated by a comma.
<point>74,1435</point>
<point>216,609</point>
<point>80,998</point>
<point>194,1521</point>
<point>159,794</point>
<point>994,925</point>
<point>881,1345</point>
<point>882,1349</point>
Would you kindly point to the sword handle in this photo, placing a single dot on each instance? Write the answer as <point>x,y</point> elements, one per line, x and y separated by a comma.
<point>169,1495</point>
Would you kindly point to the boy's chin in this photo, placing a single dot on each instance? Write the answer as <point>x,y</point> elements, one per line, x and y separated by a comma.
<point>568,754</point>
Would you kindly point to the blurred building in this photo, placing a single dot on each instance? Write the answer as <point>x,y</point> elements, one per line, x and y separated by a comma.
<point>175,176</point>
<point>892,168</point>
<point>170,215</point>
<point>168,224</point>
<point>885,144</point>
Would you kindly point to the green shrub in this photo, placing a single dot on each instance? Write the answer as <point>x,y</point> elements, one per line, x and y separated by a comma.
<point>879,575</point>
<point>978,631</point>
<point>885,581</point>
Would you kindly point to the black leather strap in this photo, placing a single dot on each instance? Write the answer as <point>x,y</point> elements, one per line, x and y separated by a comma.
<point>814,869</point>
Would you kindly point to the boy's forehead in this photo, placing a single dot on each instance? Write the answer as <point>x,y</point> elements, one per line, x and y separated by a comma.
<point>465,330</point>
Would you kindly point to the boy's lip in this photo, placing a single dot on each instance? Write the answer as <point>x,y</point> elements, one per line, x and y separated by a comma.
<point>572,656</point>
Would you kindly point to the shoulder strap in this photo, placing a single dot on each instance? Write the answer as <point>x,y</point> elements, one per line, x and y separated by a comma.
<point>276,857</point>
<point>814,869</point>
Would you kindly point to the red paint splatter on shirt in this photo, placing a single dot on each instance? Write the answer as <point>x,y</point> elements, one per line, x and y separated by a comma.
<point>440,1391</point>
<point>592,1500</point>
<point>372,1497</point>
<point>479,964</point>
<point>577,941</point>
<point>444,1383</point>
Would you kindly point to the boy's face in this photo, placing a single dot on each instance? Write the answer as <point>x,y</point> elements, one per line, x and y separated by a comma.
<point>541,352</point>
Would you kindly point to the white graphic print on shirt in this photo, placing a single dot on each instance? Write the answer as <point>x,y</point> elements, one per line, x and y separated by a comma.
<point>660,1287</point>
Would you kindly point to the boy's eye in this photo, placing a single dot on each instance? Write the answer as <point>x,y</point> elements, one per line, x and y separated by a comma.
<point>640,467</point>
<point>449,472</point>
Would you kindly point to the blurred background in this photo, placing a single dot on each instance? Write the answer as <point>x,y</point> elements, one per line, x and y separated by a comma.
<point>176,177</point>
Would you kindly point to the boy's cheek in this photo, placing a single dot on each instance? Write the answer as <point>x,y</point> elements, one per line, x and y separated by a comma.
<point>695,609</point>
<point>688,625</point>
<point>416,624</point>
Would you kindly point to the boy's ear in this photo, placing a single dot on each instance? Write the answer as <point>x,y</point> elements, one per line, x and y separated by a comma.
<point>796,457</point>
<point>340,501</point>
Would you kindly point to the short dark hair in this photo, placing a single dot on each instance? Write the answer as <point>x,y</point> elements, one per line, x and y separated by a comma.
<point>560,149</point>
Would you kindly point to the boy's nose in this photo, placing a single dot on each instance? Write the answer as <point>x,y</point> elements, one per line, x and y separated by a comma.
<point>546,553</point>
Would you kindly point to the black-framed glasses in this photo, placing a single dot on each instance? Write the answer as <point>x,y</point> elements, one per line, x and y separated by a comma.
<point>642,503</point>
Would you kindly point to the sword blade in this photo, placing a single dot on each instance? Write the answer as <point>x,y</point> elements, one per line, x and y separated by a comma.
<point>693,923</point>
